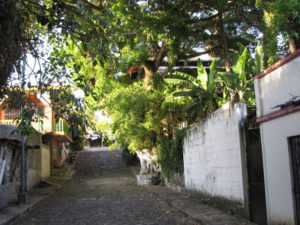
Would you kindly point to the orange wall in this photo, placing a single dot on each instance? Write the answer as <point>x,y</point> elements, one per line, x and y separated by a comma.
<point>2,111</point>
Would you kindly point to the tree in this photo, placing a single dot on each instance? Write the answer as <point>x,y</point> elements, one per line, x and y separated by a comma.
<point>282,17</point>
<point>141,117</point>
<point>18,32</point>
<point>121,33</point>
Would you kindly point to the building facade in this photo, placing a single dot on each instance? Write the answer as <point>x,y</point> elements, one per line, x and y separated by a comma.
<point>277,93</point>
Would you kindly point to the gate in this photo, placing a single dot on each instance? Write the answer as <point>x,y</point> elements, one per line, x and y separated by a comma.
<point>295,159</point>
<point>257,201</point>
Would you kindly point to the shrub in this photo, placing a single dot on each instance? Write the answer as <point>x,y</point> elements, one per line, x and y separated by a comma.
<point>77,144</point>
<point>171,154</point>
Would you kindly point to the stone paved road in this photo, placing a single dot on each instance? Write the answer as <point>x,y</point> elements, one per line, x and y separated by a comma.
<point>104,191</point>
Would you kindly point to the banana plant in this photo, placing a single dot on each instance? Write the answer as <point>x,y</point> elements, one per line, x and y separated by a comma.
<point>236,84</point>
<point>202,89</point>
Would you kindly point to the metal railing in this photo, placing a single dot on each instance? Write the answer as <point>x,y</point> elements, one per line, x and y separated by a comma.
<point>61,127</point>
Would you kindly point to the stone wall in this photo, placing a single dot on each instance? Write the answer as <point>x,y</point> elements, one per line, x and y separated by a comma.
<point>8,183</point>
<point>150,169</point>
<point>33,167</point>
<point>214,154</point>
<point>148,162</point>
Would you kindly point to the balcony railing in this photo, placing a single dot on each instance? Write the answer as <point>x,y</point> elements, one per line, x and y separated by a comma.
<point>38,125</point>
<point>61,127</point>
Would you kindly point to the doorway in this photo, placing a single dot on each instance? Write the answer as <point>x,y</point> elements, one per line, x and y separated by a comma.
<point>257,200</point>
<point>295,167</point>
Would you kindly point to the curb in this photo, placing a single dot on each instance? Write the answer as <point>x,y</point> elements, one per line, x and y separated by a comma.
<point>171,204</point>
<point>185,203</point>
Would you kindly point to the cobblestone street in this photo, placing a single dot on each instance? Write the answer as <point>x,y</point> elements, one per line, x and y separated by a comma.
<point>103,191</point>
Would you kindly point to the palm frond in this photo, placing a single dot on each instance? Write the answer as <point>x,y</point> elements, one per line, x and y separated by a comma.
<point>177,81</point>
<point>196,106</point>
<point>239,68</point>
<point>202,74</point>
<point>187,77</point>
<point>190,93</point>
<point>211,76</point>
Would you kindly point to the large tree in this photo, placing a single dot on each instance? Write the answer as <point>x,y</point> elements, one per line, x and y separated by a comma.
<point>282,18</point>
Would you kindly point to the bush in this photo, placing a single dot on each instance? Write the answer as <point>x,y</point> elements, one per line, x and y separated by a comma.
<point>171,154</point>
<point>77,144</point>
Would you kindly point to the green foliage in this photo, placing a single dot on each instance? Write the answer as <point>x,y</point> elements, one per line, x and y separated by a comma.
<point>140,115</point>
<point>283,16</point>
<point>70,108</point>
<point>205,89</point>
<point>239,84</point>
<point>171,154</point>
<point>30,110</point>
<point>281,25</point>
<point>63,102</point>
<point>96,42</point>
<point>77,144</point>
<point>18,34</point>
<point>201,89</point>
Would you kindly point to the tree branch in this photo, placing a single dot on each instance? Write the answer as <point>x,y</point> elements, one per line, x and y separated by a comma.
<point>160,55</point>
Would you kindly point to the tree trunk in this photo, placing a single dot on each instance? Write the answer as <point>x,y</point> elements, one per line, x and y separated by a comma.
<point>151,65</point>
<point>292,45</point>
<point>224,41</point>
<point>149,70</point>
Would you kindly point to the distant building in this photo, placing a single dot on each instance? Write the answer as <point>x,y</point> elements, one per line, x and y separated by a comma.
<point>50,148</point>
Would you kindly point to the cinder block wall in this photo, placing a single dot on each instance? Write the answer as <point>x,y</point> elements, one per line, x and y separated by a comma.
<point>33,167</point>
<point>45,161</point>
<point>213,154</point>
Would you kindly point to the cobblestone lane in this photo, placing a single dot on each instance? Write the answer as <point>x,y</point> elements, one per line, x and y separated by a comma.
<point>103,191</point>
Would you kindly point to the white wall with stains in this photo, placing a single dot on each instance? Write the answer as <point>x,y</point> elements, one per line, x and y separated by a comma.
<point>212,154</point>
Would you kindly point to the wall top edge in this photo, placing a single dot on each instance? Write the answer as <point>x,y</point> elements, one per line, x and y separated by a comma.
<point>278,64</point>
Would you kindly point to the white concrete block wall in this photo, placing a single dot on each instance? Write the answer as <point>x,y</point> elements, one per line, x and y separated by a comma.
<point>212,154</point>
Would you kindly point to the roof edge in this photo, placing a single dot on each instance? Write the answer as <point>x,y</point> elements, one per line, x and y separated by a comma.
<point>277,114</point>
<point>278,64</point>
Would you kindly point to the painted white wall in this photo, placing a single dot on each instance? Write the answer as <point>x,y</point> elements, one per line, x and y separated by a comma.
<point>276,88</point>
<point>277,170</point>
<point>48,116</point>
<point>212,154</point>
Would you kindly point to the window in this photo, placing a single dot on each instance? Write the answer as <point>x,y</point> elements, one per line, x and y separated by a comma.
<point>11,114</point>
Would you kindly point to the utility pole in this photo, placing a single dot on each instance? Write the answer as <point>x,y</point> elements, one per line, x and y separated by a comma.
<point>22,196</point>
